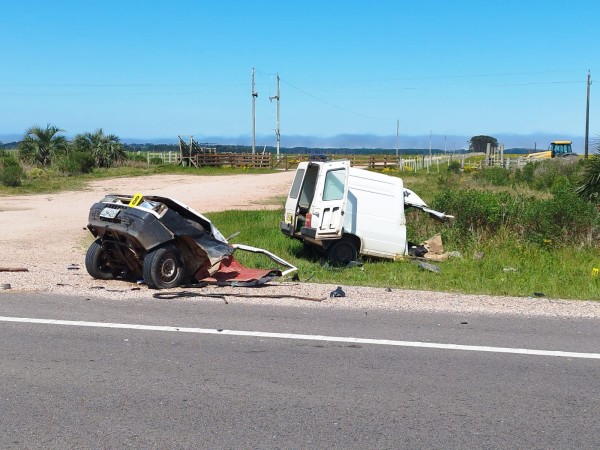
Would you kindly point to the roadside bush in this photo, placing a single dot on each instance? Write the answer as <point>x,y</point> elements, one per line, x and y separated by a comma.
<point>496,176</point>
<point>75,163</point>
<point>546,172</point>
<point>454,167</point>
<point>564,219</point>
<point>137,158</point>
<point>37,174</point>
<point>589,181</point>
<point>156,161</point>
<point>477,211</point>
<point>11,172</point>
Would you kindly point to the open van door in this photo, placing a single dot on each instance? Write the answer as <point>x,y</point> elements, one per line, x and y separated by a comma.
<point>331,195</point>
<point>288,226</point>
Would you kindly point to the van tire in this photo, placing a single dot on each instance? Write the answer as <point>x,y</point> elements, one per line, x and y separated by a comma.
<point>342,252</point>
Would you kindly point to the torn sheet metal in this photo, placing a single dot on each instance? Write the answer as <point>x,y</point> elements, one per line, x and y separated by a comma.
<point>413,200</point>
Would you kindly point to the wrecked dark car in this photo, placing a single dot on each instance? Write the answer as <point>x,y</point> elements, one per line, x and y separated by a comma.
<point>165,243</point>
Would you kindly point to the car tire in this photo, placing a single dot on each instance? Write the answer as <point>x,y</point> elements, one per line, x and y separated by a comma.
<point>342,252</point>
<point>97,262</point>
<point>163,268</point>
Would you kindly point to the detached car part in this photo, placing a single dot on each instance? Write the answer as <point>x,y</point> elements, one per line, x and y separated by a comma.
<point>166,243</point>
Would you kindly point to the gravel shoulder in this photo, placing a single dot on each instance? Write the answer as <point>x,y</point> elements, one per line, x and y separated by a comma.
<point>46,234</point>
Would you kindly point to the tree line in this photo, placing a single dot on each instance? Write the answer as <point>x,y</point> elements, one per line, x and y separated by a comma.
<point>46,147</point>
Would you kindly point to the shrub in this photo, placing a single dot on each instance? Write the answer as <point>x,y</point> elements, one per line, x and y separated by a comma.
<point>37,173</point>
<point>137,158</point>
<point>11,172</point>
<point>546,172</point>
<point>454,167</point>
<point>156,161</point>
<point>496,176</point>
<point>75,163</point>
<point>564,219</point>
<point>589,182</point>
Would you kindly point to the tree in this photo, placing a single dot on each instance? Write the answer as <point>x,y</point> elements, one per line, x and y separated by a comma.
<point>590,180</point>
<point>40,145</point>
<point>105,148</point>
<point>479,143</point>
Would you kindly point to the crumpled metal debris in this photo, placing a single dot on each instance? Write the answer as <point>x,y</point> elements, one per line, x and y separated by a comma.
<point>337,292</point>
<point>426,266</point>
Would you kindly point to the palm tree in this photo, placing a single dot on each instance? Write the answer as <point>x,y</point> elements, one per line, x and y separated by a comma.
<point>590,180</point>
<point>40,145</point>
<point>106,149</point>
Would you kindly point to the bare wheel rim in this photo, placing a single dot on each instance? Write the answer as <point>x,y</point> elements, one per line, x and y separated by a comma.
<point>167,268</point>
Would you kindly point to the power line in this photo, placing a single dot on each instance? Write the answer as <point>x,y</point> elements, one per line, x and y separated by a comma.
<point>332,104</point>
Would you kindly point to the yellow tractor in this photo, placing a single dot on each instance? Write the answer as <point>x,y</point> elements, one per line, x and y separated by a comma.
<point>557,149</point>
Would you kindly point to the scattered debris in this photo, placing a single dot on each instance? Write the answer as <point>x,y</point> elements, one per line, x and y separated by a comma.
<point>73,267</point>
<point>510,269</point>
<point>355,264</point>
<point>14,269</point>
<point>337,292</point>
<point>426,266</point>
<point>181,294</point>
<point>6,286</point>
<point>478,255</point>
<point>388,289</point>
<point>539,294</point>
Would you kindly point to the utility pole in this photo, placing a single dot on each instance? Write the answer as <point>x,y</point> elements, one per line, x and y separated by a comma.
<point>254,95</point>
<point>397,131</point>
<point>277,131</point>
<point>429,151</point>
<point>587,116</point>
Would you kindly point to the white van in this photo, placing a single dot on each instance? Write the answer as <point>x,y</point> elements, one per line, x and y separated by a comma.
<point>347,211</point>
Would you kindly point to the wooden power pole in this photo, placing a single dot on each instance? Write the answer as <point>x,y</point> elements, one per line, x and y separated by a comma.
<point>587,116</point>
<point>254,95</point>
<point>277,131</point>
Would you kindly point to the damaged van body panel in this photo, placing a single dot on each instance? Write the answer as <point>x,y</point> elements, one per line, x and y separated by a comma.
<point>371,208</point>
<point>162,241</point>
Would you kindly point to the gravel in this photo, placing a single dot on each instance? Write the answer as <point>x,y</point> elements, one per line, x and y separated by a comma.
<point>72,279</point>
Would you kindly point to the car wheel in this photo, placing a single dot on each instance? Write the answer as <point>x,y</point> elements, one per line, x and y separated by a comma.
<point>163,268</point>
<point>97,262</point>
<point>342,252</point>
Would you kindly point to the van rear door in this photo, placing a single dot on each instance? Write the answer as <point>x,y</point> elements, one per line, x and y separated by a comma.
<point>327,219</point>
<point>288,225</point>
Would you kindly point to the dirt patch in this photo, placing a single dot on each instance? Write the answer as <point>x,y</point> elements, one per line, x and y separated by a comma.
<point>48,231</point>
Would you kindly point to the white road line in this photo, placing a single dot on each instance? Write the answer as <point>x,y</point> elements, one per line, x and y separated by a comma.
<point>307,337</point>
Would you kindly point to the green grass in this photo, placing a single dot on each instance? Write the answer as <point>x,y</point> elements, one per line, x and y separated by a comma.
<point>556,273</point>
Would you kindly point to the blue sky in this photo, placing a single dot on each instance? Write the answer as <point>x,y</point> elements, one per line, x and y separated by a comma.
<point>156,69</point>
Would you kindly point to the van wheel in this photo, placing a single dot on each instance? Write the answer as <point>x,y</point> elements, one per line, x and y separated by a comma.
<point>163,268</point>
<point>342,252</point>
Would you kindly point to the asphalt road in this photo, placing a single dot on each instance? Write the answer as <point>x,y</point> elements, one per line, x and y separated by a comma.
<point>85,386</point>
